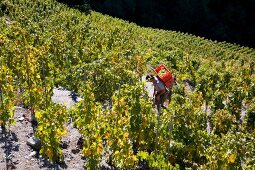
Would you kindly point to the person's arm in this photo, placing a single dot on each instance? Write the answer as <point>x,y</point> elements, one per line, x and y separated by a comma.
<point>160,93</point>
<point>154,92</point>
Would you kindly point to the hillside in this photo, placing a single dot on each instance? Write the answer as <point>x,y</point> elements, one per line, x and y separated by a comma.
<point>209,123</point>
<point>221,20</point>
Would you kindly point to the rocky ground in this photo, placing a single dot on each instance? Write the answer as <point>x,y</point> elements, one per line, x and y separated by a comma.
<point>15,143</point>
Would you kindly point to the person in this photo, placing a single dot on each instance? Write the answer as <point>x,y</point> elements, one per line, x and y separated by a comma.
<point>160,90</point>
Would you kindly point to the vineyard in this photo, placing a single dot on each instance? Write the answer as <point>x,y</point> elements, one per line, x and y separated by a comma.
<point>209,123</point>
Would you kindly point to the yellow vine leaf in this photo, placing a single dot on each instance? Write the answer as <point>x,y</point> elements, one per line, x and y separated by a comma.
<point>125,135</point>
<point>131,159</point>
<point>86,152</point>
<point>99,149</point>
<point>116,153</point>
<point>107,135</point>
<point>232,158</point>
<point>110,143</point>
<point>120,142</point>
<point>62,132</point>
<point>49,153</point>
<point>38,114</point>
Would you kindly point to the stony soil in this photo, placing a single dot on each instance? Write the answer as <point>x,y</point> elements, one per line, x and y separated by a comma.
<point>16,154</point>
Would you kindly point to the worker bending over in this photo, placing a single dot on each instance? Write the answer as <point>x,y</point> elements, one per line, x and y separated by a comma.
<point>160,91</point>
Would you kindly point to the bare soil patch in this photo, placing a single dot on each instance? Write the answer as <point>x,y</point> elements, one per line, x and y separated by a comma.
<point>16,154</point>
